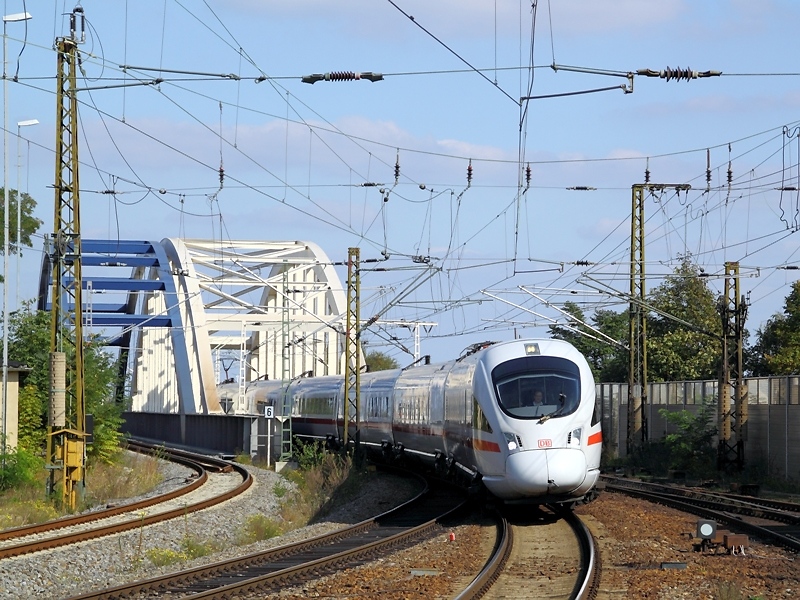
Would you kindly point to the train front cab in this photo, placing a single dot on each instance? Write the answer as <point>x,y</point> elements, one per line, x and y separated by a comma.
<point>552,449</point>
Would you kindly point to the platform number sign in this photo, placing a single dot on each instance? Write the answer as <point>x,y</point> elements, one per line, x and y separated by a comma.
<point>269,412</point>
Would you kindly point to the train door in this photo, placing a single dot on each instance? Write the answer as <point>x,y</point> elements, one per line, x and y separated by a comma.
<point>457,396</point>
<point>338,413</point>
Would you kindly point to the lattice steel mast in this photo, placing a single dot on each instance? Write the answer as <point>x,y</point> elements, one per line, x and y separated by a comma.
<point>732,420</point>
<point>637,314</point>
<point>352,377</point>
<point>285,417</point>
<point>66,439</point>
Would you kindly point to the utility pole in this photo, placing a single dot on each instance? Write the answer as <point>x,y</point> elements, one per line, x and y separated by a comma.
<point>732,421</point>
<point>352,373</point>
<point>66,437</point>
<point>637,325</point>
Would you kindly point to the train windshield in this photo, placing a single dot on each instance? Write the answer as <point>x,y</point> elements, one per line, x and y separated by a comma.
<point>535,386</point>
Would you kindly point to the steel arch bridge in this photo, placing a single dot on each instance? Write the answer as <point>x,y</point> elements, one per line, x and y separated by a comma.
<point>189,313</point>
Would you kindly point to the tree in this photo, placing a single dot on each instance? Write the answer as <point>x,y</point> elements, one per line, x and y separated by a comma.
<point>607,361</point>
<point>29,224</point>
<point>29,343</point>
<point>378,361</point>
<point>691,446</point>
<point>689,348</point>
<point>777,347</point>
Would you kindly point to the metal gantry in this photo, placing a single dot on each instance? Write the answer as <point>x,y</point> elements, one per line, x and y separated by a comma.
<point>66,439</point>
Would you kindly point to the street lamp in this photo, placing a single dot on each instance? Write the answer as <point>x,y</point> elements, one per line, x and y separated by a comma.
<point>16,17</point>
<point>20,125</point>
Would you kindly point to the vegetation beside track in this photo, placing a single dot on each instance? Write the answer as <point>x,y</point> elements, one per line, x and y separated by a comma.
<point>321,481</point>
<point>24,502</point>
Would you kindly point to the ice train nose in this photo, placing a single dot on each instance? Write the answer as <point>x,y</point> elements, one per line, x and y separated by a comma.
<point>539,472</point>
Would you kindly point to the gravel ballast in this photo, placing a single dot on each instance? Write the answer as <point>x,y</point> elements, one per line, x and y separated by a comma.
<point>123,558</point>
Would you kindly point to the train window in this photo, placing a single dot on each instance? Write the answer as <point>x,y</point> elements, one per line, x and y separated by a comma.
<point>534,386</point>
<point>479,420</point>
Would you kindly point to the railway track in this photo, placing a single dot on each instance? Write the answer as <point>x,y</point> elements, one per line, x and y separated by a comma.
<point>292,564</point>
<point>202,492</point>
<point>545,552</point>
<point>776,521</point>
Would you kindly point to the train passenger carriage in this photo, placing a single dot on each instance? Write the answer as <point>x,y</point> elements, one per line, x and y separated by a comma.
<point>517,416</point>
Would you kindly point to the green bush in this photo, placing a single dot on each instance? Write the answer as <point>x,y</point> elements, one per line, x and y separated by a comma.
<point>161,557</point>
<point>194,548</point>
<point>19,468</point>
<point>691,447</point>
<point>258,527</point>
<point>279,490</point>
<point>308,454</point>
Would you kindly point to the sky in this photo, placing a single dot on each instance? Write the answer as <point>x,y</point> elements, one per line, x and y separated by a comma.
<point>489,171</point>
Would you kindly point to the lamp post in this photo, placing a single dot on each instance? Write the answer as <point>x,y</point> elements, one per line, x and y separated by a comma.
<point>6,19</point>
<point>20,125</point>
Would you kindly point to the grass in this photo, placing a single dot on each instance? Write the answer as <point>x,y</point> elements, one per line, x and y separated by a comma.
<point>190,548</point>
<point>132,475</point>
<point>257,528</point>
<point>307,493</point>
<point>314,487</point>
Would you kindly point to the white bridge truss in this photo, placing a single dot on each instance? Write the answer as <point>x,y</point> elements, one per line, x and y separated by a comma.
<point>187,314</point>
<point>249,310</point>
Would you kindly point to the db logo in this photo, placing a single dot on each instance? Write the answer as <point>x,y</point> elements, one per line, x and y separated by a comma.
<point>545,443</point>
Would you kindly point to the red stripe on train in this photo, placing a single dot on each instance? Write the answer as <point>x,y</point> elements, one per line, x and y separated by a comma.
<point>595,438</point>
<point>485,445</point>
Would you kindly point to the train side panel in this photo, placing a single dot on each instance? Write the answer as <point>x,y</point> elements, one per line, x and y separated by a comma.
<point>474,413</point>
<point>457,413</point>
<point>377,397</point>
<point>418,410</point>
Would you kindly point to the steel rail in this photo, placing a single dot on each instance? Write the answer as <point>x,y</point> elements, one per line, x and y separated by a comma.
<point>701,509</point>
<point>484,580</point>
<point>343,549</point>
<point>200,478</point>
<point>55,542</point>
<point>588,583</point>
<point>781,512</point>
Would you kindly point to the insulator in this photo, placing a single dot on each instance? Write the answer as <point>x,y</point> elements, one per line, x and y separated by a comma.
<point>397,169</point>
<point>730,168</point>
<point>677,74</point>
<point>469,173</point>
<point>708,167</point>
<point>528,175</point>
<point>342,76</point>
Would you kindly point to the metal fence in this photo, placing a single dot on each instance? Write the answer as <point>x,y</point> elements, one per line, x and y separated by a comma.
<point>773,407</point>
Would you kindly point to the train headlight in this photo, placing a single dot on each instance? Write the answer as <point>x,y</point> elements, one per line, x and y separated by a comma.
<point>574,438</point>
<point>512,441</point>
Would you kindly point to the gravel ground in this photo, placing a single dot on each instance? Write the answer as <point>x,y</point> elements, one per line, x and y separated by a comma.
<point>119,559</point>
<point>635,538</point>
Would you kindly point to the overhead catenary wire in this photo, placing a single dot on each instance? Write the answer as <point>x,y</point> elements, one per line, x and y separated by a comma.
<point>477,160</point>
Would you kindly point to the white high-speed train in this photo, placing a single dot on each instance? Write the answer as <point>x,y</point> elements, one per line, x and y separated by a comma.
<point>475,414</point>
